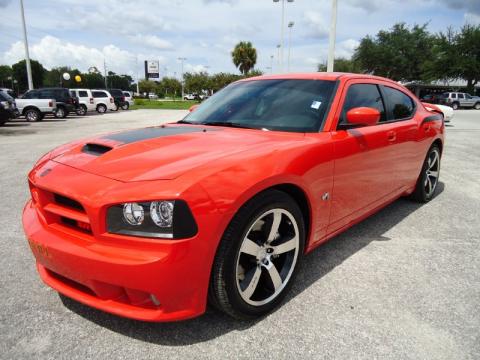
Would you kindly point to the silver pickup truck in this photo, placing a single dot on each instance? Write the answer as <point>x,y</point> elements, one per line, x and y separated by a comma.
<point>35,109</point>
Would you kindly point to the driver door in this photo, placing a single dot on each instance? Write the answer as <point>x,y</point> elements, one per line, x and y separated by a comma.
<point>365,167</point>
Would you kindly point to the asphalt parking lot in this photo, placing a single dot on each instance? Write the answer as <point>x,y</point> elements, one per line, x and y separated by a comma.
<point>404,283</point>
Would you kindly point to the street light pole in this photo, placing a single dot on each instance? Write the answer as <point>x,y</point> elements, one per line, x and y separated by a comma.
<point>282,32</point>
<point>278,57</point>
<point>333,30</point>
<point>136,67</point>
<point>27,54</point>
<point>271,64</point>
<point>182,59</point>
<point>290,26</point>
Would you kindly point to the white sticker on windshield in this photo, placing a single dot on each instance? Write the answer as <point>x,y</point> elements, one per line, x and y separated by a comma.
<point>316,105</point>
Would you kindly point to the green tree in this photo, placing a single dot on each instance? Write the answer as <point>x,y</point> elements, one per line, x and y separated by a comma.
<point>115,81</point>
<point>54,77</point>
<point>400,53</point>
<point>169,87</point>
<point>19,71</point>
<point>197,82</point>
<point>244,56</point>
<point>5,76</point>
<point>342,65</point>
<point>93,80</point>
<point>456,55</point>
<point>146,86</point>
<point>220,80</point>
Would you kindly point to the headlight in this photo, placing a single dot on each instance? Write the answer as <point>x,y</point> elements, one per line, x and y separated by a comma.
<point>170,219</point>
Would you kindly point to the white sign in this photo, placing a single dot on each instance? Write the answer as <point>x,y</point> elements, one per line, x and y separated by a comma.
<point>152,69</point>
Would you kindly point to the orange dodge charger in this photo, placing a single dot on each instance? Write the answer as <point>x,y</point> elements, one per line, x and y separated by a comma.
<point>221,207</point>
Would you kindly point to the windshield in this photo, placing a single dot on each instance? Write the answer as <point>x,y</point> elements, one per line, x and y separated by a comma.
<point>284,104</point>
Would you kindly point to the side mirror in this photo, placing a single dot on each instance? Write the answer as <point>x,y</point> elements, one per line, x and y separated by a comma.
<point>193,108</point>
<point>364,116</point>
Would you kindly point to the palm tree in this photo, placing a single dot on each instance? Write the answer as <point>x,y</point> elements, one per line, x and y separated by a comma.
<point>244,56</point>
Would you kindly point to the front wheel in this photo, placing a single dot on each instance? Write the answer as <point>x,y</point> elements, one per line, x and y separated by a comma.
<point>258,256</point>
<point>33,115</point>
<point>428,179</point>
<point>125,106</point>
<point>477,106</point>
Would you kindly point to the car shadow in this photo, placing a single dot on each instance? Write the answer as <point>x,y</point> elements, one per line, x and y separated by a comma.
<point>212,324</point>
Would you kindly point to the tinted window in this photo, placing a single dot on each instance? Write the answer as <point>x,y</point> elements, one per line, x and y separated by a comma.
<point>401,105</point>
<point>460,96</point>
<point>73,93</point>
<point>116,92</point>
<point>46,94</point>
<point>454,96</point>
<point>99,94</point>
<point>126,94</point>
<point>3,97</point>
<point>33,94</point>
<point>82,93</point>
<point>363,95</point>
<point>285,105</point>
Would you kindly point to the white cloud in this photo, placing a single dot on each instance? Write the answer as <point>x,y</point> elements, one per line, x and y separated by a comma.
<point>52,52</point>
<point>316,24</point>
<point>151,41</point>
<point>195,68</point>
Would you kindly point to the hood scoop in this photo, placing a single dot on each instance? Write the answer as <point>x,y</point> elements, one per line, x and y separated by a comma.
<point>95,149</point>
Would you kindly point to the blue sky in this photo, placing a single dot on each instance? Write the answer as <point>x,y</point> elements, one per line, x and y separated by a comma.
<point>81,33</point>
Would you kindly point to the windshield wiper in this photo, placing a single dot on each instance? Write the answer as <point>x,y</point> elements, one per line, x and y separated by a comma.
<point>187,122</point>
<point>228,124</point>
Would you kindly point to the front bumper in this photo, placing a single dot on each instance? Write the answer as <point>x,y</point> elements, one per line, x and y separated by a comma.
<point>149,280</point>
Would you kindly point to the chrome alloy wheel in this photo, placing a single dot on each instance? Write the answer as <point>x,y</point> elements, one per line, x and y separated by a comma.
<point>432,172</point>
<point>267,257</point>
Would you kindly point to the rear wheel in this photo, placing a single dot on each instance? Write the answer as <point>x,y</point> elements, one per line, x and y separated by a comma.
<point>258,256</point>
<point>101,108</point>
<point>115,107</point>
<point>81,110</point>
<point>125,106</point>
<point>455,106</point>
<point>32,115</point>
<point>60,112</point>
<point>428,179</point>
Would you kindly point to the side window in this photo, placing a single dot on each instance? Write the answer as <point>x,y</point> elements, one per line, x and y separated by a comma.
<point>98,94</point>
<point>454,96</point>
<point>363,95</point>
<point>46,94</point>
<point>73,93</point>
<point>402,106</point>
<point>461,96</point>
<point>82,94</point>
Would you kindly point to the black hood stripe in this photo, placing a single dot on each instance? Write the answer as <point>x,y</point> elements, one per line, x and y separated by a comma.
<point>131,136</point>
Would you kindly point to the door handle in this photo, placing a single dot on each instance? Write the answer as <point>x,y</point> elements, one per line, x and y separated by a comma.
<point>391,136</point>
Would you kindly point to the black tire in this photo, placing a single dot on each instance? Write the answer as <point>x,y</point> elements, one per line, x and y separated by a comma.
<point>125,106</point>
<point>2,122</point>
<point>81,110</point>
<point>60,112</point>
<point>33,115</point>
<point>101,109</point>
<point>455,106</point>
<point>421,193</point>
<point>224,293</point>
<point>477,106</point>
<point>116,107</point>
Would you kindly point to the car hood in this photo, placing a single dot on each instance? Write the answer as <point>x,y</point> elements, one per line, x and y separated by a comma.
<point>163,152</point>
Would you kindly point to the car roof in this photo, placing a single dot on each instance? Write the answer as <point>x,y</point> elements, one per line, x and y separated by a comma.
<point>320,76</point>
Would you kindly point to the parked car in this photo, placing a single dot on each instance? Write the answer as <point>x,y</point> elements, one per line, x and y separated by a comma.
<point>458,100</point>
<point>35,109</point>
<point>446,111</point>
<point>128,98</point>
<point>152,96</point>
<point>103,100</point>
<point>193,97</point>
<point>9,92</point>
<point>85,100</point>
<point>119,99</point>
<point>8,109</point>
<point>66,103</point>
<point>431,98</point>
<point>223,205</point>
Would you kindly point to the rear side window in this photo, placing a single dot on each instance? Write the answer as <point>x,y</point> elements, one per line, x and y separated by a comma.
<point>73,93</point>
<point>116,92</point>
<point>460,96</point>
<point>454,96</point>
<point>99,94</point>
<point>363,95</point>
<point>46,94</point>
<point>126,94</point>
<point>82,94</point>
<point>401,105</point>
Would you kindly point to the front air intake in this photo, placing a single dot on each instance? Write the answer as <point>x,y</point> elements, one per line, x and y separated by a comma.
<point>96,149</point>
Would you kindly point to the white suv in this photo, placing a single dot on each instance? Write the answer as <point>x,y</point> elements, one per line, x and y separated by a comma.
<point>103,100</point>
<point>85,100</point>
<point>128,98</point>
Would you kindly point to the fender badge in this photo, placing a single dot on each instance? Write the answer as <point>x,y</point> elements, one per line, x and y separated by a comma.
<point>45,172</point>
